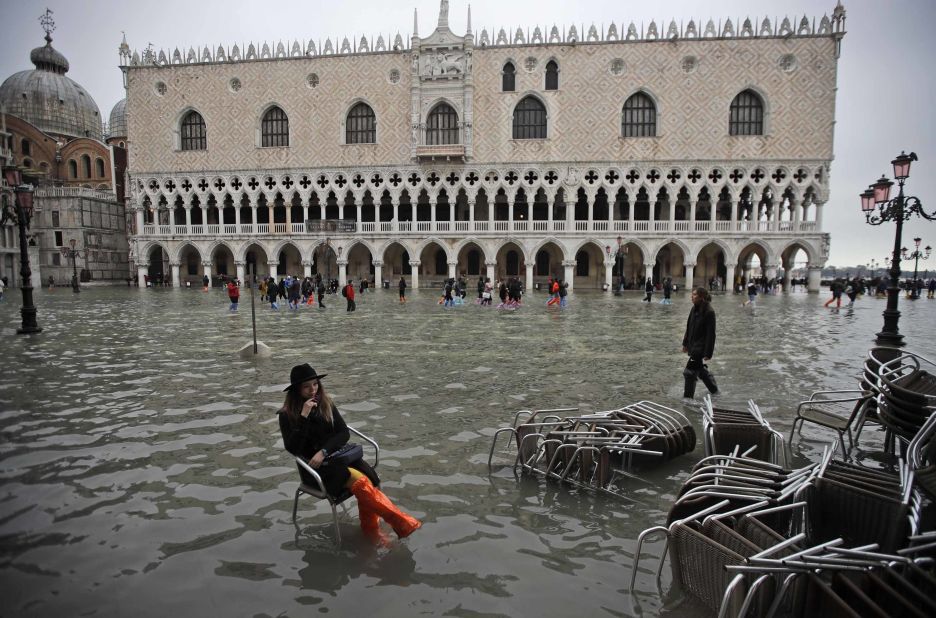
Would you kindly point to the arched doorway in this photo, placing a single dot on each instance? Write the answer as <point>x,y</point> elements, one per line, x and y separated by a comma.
<point>548,263</point>
<point>257,261</point>
<point>360,263</point>
<point>222,263</point>
<point>190,266</point>
<point>752,262</point>
<point>396,262</point>
<point>794,261</point>
<point>630,263</point>
<point>433,265</point>
<point>158,261</point>
<point>670,264</point>
<point>589,270</point>
<point>289,261</point>
<point>471,260</point>
<point>325,262</point>
<point>711,268</point>
<point>510,262</point>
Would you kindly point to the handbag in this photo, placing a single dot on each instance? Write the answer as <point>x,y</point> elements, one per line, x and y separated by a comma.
<point>346,455</point>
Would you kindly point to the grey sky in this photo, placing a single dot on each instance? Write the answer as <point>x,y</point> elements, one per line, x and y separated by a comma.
<point>885,89</point>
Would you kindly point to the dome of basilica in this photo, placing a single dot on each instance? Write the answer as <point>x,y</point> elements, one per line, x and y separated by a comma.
<point>49,100</point>
<point>117,124</point>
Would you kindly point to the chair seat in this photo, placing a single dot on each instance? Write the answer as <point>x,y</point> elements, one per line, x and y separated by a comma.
<point>314,491</point>
<point>829,415</point>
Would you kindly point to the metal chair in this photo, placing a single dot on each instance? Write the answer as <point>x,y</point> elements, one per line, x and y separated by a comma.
<point>838,410</point>
<point>317,489</point>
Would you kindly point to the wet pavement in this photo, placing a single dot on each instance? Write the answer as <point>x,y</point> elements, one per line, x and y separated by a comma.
<point>143,472</point>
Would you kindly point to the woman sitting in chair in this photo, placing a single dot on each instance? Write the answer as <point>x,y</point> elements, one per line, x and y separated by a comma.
<point>312,428</point>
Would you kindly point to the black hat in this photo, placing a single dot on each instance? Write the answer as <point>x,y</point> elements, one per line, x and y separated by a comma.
<point>302,373</point>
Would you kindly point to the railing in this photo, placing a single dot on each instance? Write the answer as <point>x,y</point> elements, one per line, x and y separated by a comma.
<point>448,227</point>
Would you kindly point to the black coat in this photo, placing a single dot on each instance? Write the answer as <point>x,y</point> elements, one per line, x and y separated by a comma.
<point>699,339</point>
<point>313,434</point>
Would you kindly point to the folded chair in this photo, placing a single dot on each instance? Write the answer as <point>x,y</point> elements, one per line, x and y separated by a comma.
<point>838,410</point>
<point>317,488</point>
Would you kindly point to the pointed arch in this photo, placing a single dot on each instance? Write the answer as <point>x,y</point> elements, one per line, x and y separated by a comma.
<point>274,127</point>
<point>747,113</point>
<point>191,131</point>
<point>639,115</point>
<point>530,118</point>
<point>360,123</point>
<point>442,124</point>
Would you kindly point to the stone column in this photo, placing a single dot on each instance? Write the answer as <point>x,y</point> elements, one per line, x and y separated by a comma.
<point>490,271</point>
<point>188,217</point>
<point>395,202</point>
<point>141,271</point>
<point>609,266</point>
<point>139,222</point>
<point>729,277</point>
<point>815,278</point>
<point>207,267</point>
<point>734,213</point>
<point>378,274</point>
<point>253,217</point>
<point>414,265</point>
<point>787,275</point>
<point>471,215</point>
<point>306,268</point>
<point>288,207</point>
<point>591,209</point>
<point>342,272</point>
<point>770,271</point>
<point>171,211</point>
<point>692,213</point>
<point>818,208</point>
<point>274,267</point>
<point>451,269</point>
<point>528,282</point>
<point>690,274</point>
<point>241,268</point>
<point>174,270</point>
<point>568,273</point>
<point>648,271</point>
<point>797,207</point>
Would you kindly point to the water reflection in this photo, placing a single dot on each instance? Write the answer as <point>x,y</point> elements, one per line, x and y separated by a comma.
<point>143,472</point>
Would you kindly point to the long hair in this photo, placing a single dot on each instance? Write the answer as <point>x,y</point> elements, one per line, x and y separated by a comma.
<point>703,293</point>
<point>294,402</point>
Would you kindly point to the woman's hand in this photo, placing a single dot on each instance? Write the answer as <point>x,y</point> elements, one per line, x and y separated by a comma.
<point>307,407</point>
<point>317,460</point>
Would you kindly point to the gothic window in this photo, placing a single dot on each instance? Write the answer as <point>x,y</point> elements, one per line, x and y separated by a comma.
<point>552,75</point>
<point>85,166</point>
<point>25,147</point>
<point>361,125</point>
<point>746,115</point>
<point>274,128</point>
<point>99,167</point>
<point>194,135</point>
<point>529,119</point>
<point>442,126</point>
<point>72,169</point>
<point>509,80</point>
<point>639,116</point>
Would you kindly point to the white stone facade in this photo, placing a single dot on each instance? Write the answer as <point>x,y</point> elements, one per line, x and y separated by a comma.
<point>691,202</point>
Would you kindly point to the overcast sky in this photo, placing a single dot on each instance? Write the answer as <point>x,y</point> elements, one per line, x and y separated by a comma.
<point>885,84</point>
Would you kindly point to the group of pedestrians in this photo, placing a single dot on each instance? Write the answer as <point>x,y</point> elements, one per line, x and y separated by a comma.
<point>558,292</point>
<point>666,287</point>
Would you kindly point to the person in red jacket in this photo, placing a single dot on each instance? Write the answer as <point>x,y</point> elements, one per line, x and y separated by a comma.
<point>348,293</point>
<point>234,294</point>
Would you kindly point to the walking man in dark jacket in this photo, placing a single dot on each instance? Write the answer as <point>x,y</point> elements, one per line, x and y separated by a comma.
<point>699,343</point>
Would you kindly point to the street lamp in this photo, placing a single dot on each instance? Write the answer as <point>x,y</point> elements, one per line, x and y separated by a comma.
<point>873,264</point>
<point>879,208</point>
<point>916,256</point>
<point>74,254</point>
<point>21,212</point>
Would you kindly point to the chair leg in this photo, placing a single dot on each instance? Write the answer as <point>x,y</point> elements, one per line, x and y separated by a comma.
<point>296,504</point>
<point>845,456</point>
<point>335,519</point>
<point>793,429</point>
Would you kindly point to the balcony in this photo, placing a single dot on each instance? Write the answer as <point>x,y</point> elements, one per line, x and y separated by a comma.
<point>441,151</point>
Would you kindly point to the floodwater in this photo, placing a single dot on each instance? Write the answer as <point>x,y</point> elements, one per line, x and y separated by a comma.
<point>143,472</point>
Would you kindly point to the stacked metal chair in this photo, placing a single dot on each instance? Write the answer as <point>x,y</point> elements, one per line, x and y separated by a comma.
<point>751,538</point>
<point>907,390</point>
<point>599,450</point>
<point>723,429</point>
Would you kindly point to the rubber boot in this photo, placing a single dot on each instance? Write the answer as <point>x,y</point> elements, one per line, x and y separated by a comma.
<point>370,526</point>
<point>372,499</point>
<point>689,389</point>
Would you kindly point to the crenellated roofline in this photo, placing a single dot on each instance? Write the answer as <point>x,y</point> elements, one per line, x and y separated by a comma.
<point>690,30</point>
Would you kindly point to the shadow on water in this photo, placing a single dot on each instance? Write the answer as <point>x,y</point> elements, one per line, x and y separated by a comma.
<point>143,472</point>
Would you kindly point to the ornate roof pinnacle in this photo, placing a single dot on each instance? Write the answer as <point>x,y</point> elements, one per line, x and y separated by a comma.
<point>415,23</point>
<point>443,14</point>
<point>469,20</point>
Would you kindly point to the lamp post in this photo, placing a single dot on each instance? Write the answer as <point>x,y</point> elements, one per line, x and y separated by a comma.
<point>916,256</point>
<point>879,208</point>
<point>873,264</point>
<point>21,212</point>
<point>74,254</point>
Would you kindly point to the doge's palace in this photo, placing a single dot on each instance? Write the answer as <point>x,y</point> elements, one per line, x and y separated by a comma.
<point>672,150</point>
